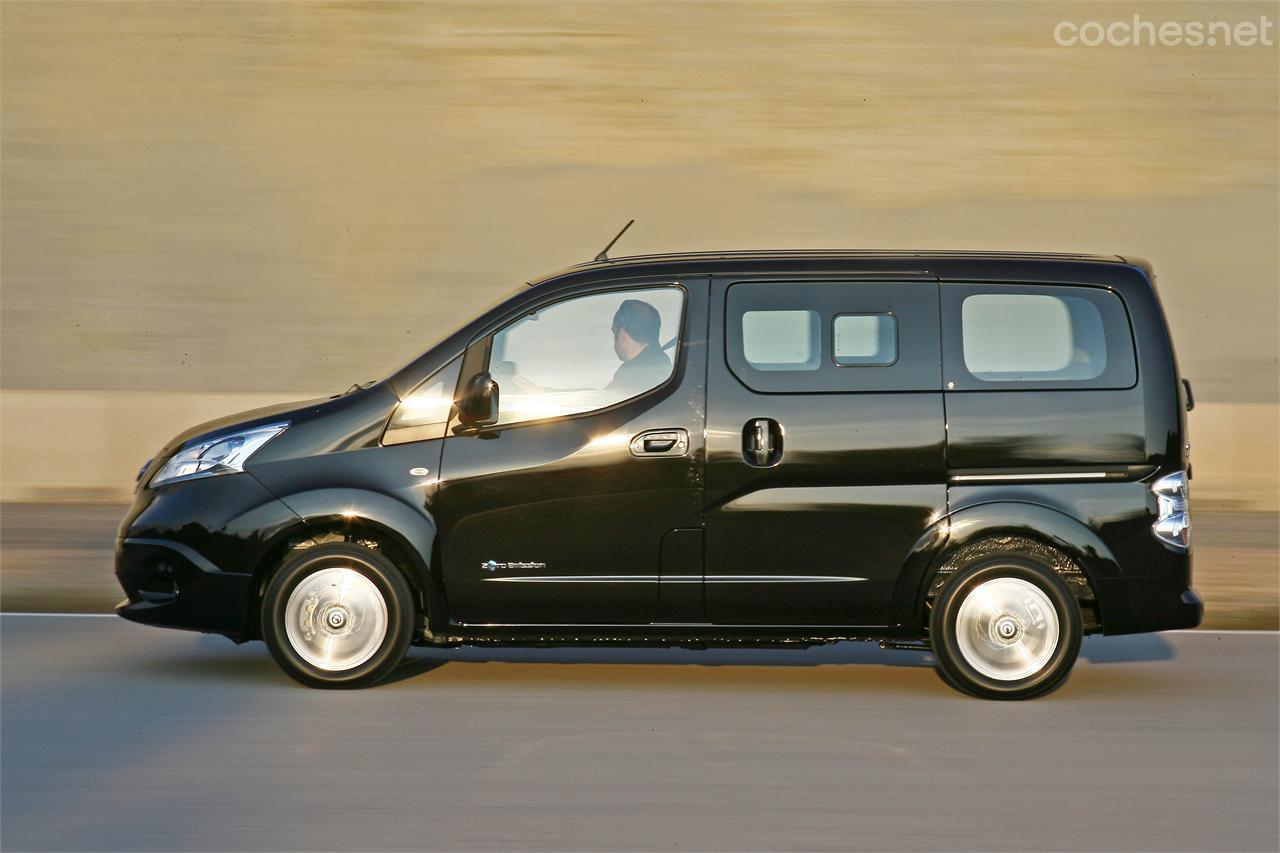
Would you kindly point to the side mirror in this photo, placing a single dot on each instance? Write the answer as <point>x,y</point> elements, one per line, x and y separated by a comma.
<point>479,404</point>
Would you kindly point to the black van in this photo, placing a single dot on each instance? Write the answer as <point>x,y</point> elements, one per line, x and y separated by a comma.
<point>983,454</point>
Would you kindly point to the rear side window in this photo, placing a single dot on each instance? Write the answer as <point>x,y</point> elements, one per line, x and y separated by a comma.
<point>781,340</point>
<point>1042,336</point>
<point>833,336</point>
<point>1025,337</point>
<point>865,339</point>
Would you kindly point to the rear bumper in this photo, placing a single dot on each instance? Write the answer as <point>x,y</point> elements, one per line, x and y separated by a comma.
<point>1154,604</point>
<point>168,584</point>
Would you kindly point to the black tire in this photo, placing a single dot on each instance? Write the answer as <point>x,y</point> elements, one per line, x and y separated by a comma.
<point>961,661</point>
<point>385,578</point>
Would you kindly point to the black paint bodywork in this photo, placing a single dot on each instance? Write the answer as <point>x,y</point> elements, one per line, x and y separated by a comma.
<point>864,483</point>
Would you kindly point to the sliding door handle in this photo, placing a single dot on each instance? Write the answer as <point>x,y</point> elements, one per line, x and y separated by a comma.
<point>762,442</point>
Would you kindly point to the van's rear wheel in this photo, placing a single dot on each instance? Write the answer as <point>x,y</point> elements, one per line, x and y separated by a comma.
<point>337,615</point>
<point>1009,628</point>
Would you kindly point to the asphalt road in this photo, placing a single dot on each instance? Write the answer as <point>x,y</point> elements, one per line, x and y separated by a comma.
<point>117,736</point>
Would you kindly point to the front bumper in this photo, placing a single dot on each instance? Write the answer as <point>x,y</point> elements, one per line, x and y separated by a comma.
<point>168,584</point>
<point>186,553</point>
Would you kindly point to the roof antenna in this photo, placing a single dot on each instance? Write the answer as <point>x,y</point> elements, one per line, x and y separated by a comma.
<point>604,253</point>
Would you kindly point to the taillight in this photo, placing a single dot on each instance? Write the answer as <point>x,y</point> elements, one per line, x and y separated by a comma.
<point>1173,515</point>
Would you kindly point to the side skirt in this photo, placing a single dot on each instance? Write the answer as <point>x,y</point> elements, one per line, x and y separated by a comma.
<point>674,636</point>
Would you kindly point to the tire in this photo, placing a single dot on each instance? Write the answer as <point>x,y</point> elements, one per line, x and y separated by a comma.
<point>337,616</point>
<point>1007,628</point>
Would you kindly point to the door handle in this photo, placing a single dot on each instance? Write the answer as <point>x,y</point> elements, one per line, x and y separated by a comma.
<point>660,442</point>
<point>762,442</point>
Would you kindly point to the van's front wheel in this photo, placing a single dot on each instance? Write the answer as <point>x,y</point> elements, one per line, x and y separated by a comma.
<point>1006,629</point>
<point>337,615</point>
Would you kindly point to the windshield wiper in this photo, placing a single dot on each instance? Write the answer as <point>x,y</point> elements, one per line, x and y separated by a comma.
<point>358,387</point>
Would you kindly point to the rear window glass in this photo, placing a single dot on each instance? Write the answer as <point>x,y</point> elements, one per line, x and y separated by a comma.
<point>865,339</point>
<point>1032,337</point>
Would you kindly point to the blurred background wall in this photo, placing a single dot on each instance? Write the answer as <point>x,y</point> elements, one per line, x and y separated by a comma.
<point>208,206</point>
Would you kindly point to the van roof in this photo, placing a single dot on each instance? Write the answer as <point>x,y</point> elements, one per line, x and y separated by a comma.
<point>860,254</point>
<point>899,259</point>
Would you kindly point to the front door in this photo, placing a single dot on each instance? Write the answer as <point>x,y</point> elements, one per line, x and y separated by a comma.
<point>558,513</point>
<point>825,446</point>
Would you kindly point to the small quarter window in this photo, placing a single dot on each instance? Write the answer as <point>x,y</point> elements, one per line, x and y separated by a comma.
<point>865,339</point>
<point>781,340</point>
<point>427,405</point>
<point>1030,337</point>
<point>424,413</point>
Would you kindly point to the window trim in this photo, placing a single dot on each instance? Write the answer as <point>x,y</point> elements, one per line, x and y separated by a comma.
<point>484,341</point>
<point>911,298</point>
<point>1120,374</point>
<point>897,353</point>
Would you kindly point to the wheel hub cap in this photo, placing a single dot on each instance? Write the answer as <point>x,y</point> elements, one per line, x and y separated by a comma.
<point>336,619</point>
<point>1007,628</point>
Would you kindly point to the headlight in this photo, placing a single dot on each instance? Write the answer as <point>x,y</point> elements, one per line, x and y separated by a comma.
<point>225,454</point>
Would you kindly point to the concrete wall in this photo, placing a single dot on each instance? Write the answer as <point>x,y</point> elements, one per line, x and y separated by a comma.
<point>204,203</point>
<point>60,445</point>
<point>89,445</point>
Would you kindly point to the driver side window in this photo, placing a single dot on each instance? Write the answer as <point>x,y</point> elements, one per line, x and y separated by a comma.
<point>586,353</point>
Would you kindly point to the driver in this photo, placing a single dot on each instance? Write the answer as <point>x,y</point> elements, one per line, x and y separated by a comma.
<point>636,325</point>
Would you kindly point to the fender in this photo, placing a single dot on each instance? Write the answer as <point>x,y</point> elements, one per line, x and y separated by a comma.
<point>1032,521</point>
<point>412,528</point>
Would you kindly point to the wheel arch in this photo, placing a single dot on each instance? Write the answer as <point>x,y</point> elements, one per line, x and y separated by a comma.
<point>406,535</point>
<point>1006,525</point>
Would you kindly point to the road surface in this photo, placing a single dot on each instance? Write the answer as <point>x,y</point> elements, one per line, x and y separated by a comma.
<point>118,736</point>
